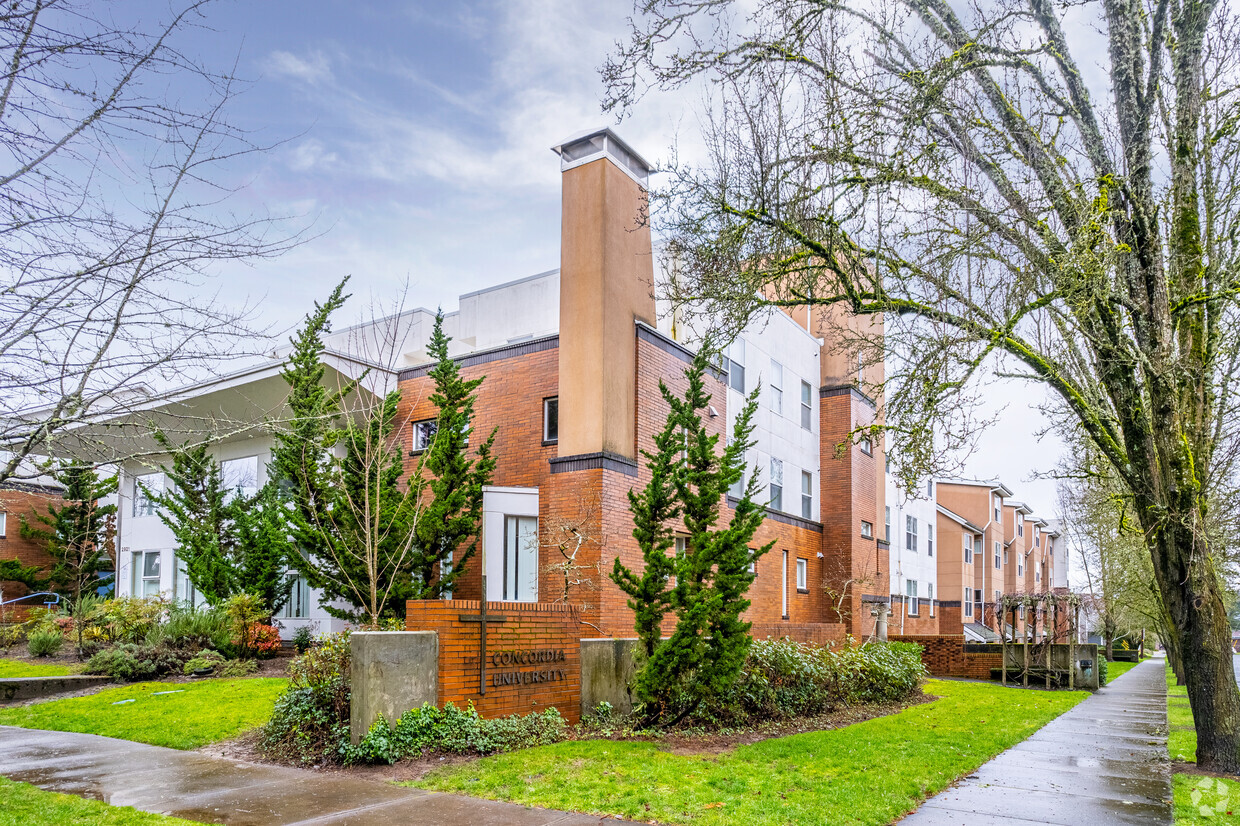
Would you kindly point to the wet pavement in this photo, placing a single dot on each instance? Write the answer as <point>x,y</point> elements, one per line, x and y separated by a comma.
<point>1103,762</point>
<point>217,790</point>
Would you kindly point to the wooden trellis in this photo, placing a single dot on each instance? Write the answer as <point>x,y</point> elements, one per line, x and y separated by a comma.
<point>1049,607</point>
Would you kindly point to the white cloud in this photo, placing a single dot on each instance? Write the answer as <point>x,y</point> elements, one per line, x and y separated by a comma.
<point>311,155</point>
<point>313,69</point>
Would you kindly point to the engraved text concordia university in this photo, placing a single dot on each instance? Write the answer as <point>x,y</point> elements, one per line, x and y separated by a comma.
<point>527,676</point>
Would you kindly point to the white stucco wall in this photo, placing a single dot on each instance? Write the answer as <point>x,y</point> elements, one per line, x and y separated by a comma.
<point>912,564</point>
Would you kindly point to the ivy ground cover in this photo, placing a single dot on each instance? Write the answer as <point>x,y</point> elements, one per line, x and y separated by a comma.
<point>868,773</point>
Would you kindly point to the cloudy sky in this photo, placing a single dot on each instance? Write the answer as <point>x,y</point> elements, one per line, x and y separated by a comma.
<point>416,135</point>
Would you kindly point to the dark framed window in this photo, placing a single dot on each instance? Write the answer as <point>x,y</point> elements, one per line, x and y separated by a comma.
<point>551,420</point>
<point>423,434</point>
<point>807,406</point>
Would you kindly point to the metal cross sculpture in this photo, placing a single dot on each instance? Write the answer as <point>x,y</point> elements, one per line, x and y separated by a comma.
<point>483,619</point>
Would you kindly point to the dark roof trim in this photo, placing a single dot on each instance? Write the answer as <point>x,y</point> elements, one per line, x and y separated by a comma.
<point>594,461</point>
<point>652,336</point>
<point>520,348</point>
<point>785,518</point>
<point>846,389</point>
<point>32,487</point>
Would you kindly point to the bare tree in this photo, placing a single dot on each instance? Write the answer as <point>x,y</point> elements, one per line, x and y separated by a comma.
<point>110,217</point>
<point>959,170</point>
<point>576,546</point>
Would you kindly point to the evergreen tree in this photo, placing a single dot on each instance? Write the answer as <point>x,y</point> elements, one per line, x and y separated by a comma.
<point>690,479</point>
<point>451,517</point>
<point>230,543</point>
<point>77,534</point>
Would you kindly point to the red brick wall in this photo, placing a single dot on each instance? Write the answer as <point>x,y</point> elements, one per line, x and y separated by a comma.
<point>945,656</point>
<point>819,633</point>
<point>18,503</point>
<point>527,627</point>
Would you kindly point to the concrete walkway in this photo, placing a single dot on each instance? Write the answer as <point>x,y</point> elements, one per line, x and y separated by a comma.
<point>217,790</point>
<point>1104,762</point>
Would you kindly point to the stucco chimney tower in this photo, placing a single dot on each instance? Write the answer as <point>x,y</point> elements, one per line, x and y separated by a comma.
<point>606,285</point>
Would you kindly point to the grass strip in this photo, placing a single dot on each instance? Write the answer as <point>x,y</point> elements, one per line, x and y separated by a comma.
<point>1198,799</point>
<point>867,773</point>
<point>24,805</point>
<point>23,668</point>
<point>1117,670</point>
<point>192,715</point>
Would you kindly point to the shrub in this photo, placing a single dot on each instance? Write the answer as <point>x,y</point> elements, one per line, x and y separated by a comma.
<point>261,640</point>
<point>1102,670</point>
<point>44,642</point>
<point>303,637</point>
<point>129,619</point>
<point>238,668</point>
<point>244,611</point>
<point>197,628</point>
<point>783,679</point>
<point>203,659</point>
<point>133,663</point>
<point>310,721</point>
<point>459,731</point>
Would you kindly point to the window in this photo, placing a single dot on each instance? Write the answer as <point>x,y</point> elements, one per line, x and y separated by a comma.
<point>783,583</point>
<point>777,484</point>
<point>1005,556</point>
<point>4,524</point>
<point>424,433</point>
<point>520,559</point>
<point>998,509</point>
<point>929,540</point>
<point>930,596</point>
<point>867,530</point>
<point>145,488</point>
<point>551,420</point>
<point>860,367</point>
<point>1037,574</point>
<point>910,593</point>
<point>910,534</point>
<point>930,488</point>
<point>1020,527</point>
<point>997,557</point>
<point>182,589</point>
<point>803,575</point>
<point>977,605</point>
<point>736,365</point>
<point>977,549</point>
<point>867,447</point>
<point>807,406</point>
<point>1020,568</point>
<point>298,605</point>
<point>146,569</point>
<point>887,526</point>
<point>968,549</point>
<point>679,545</point>
<point>968,603</point>
<point>777,387</point>
<point>807,494</point>
<point>240,476</point>
<point>738,487</point>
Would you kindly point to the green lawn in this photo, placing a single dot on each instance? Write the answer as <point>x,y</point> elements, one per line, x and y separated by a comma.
<point>193,715</point>
<point>1117,670</point>
<point>1198,800</point>
<point>868,773</point>
<point>25,668</point>
<point>24,805</point>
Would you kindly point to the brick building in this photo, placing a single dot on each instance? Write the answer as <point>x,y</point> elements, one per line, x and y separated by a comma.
<point>18,500</point>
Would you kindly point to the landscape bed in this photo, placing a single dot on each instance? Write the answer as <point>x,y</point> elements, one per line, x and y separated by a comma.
<point>1199,798</point>
<point>868,773</point>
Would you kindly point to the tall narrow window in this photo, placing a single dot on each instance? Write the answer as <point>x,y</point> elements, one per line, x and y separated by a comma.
<point>968,603</point>
<point>930,488</point>
<point>784,583</point>
<point>968,549</point>
<point>521,558</point>
<point>807,406</point>
<point>803,575</point>
<point>929,540</point>
<point>807,494</point>
<point>298,605</point>
<point>183,590</point>
<point>145,488</point>
<point>551,420</point>
<point>736,365</point>
<point>777,387</point>
<point>147,566</point>
<point>887,526</point>
<point>930,596</point>
<point>910,592</point>
<point>997,556</point>
<point>978,552</point>
<point>998,509</point>
<point>4,524</point>
<point>910,534</point>
<point>1005,556</point>
<point>777,484</point>
<point>1020,527</point>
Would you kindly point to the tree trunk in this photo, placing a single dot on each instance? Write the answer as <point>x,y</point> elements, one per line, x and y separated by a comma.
<point>1191,590</point>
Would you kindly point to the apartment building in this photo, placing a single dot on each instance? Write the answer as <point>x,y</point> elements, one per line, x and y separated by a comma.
<point>911,528</point>
<point>572,359</point>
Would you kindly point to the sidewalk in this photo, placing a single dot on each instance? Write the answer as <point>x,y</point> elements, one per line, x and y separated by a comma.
<point>217,790</point>
<point>1104,762</point>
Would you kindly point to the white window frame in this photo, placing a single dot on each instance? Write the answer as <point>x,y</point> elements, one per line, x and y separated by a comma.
<point>1020,527</point>
<point>968,603</point>
<point>139,578</point>
<point>910,533</point>
<point>867,530</point>
<point>998,564</point>
<point>911,599</point>
<point>512,573</point>
<point>422,434</point>
<point>929,539</point>
<point>4,524</point>
<point>807,495</point>
<point>777,388</point>
<point>930,596</point>
<point>784,584</point>
<point>144,506</point>
<point>887,525</point>
<point>298,604</point>
<point>998,509</point>
<point>968,549</point>
<point>802,575</point>
<point>776,488</point>
<point>234,477</point>
<point>736,365</point>
<point>807,406</point>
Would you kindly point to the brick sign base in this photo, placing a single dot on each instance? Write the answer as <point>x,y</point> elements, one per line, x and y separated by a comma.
<point>532,661</point>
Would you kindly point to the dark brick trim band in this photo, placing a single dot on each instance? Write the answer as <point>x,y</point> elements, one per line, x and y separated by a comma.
<point>948,603</point>
<point>843,390</point>
<point>520,348</point>
<point>594,461</point>
<point>674,348</point>
<point>786,518</point>
<point>881,600</point>
<point>32,487</point>
<point>883,543</point>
